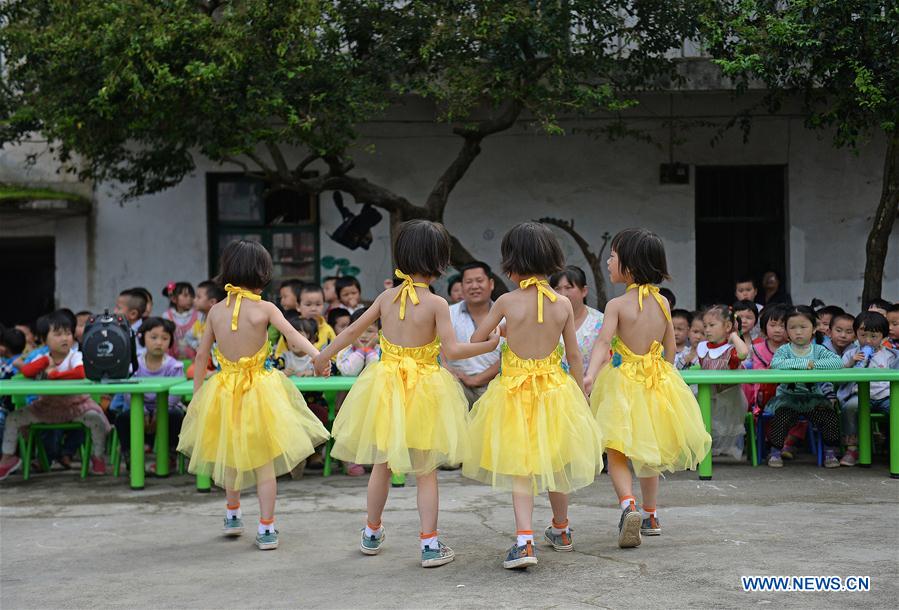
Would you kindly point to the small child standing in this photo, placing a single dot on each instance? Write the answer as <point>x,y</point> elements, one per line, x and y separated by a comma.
<point>248,424</point>
<point>795,399</point>
<point>892,340</point>
<point>646,412</point>
<point>63,361</point>
<point>870,328</point>
<point>532,430</point>
<point>681,320</point>
<point>299,363</point>
<point>209,293</point>
<point>349,293</point>
<point>724,349</point>
<point>181,311</point>
<point>362,353</point>
<point>406,413</point>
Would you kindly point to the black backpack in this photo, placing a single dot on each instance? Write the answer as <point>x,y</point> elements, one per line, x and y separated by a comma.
<point>108,348</point>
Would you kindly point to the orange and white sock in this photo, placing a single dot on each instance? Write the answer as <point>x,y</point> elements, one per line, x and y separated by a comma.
<point>625,500</point>
<point>232,511</point>
<point>429,539</point>
<point>372,529</point>
<point>266,525</point>
<point>649,512</point>
<point>525,536</point>
<point>559,528</point>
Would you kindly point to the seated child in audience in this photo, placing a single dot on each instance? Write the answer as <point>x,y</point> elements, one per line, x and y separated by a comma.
<point>140,290</point>
<point>695,337</point>
<point>881,306</point>
<point>762,350</point>
<point>62,362</point>
<point>181,311</point>
<point>454,289</point>
<point>349,293</point>
<point>745,289</point>
<point>825,315</point>
<point>27,329</point>
<point>209,293</point>
<point>156,335</point>
<point>12,343</point>
<point>795,399</point>
<point>310,305</point>
<point>330,292</point>
<point>289,294</point>
<point>723,349</point>
<point>870,328</point>
<point>81,318</point>
<point>364,351</point>
<point>300,364</point>
<point>132,304</point>
<point>841,335</point>
<point>746,313</point>
<point>338,319</point>
<point>681,319</point>
<point>893,318</point>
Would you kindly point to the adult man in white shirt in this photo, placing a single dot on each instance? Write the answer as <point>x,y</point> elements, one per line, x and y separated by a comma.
<point>477,288</point>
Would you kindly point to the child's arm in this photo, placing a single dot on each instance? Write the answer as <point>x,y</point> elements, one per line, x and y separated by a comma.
<point>295,341</point>
<point>33,368</point>
<point>783,359</point>
<point>668,345</point>
<point>572,351</point>
<point>349,335</point>
<point>73,373</point>
<point>350,362</point>
<point>603,344</point>
<point>201,361</point>
<point>482,341</point>
<point>739,345</point>
<point>827,360</point>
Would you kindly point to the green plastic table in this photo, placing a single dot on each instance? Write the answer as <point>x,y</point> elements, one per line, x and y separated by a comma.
<point>137,387</point>
<point>864,377</point>
<point>329,386</point>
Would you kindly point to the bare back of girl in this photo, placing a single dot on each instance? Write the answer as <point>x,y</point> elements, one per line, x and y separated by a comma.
<point>526,337</point>
<point>640,327</point>
<point>419,324</point>
<point>252,327</point>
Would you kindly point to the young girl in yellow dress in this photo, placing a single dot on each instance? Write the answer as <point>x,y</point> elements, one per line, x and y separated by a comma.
<point>248,423</point>
<point>647,413</point>
<point>532,430</point>
<point>406,413</point>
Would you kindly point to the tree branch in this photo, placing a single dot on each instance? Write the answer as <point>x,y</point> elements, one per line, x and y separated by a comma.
<point>594,260</point>
<point>280,162</point>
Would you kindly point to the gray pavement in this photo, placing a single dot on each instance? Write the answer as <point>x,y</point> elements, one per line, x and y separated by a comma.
<point>67,543</point>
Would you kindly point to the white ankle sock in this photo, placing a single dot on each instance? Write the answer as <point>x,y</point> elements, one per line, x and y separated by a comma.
<point>431,542</point>
<point>649,513</point>
<point>556,530</point>
<point>230,514</point>
<point>370,532</point>
<point>624,503</point>
<point>523,539</point>
<point>266,528</point>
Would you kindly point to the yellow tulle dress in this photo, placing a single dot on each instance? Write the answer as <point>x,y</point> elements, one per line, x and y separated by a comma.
<point>533,425</point>
<point>645,409</point>
<point>406,410</point>
<point>248,423</point>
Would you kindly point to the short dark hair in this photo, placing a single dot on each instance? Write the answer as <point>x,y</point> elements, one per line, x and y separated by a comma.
<point>574,275</point>
<point>337,312</point>
<point>803,311</point>
<point>309,287</point>
<point>668,294</point>
<point>721,310</point>
<point>879,303</point>
<point>744,279</point>
<point>173,289</point>
<point>682,313</point>
<point>746,306</point>
<point>452,281</point>
<point>830,310</point>
<point>894,308</point>
<point>345,282</point>
<point>475,265</point>
<point>641,253</point>
<point>422,247</point>
<point>358,314</point>
<point>872,321</point>
<point>84,312</point>
<point>246,264</point>
<point>13,339</point>
<point>61,319</point>
<point>843,316</point>
<point>213,290</point>
<point>307,326</point>
<point>531,248</point>
<point>156,322</point>
<point>143,291</point>
<point>295,284</point>
<point>136,299</point>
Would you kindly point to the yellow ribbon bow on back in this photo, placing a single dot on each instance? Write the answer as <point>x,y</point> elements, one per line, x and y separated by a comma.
<point>647,289</point>
<point>407,289</point>
<point>239,293</point>
<point>542,291</point>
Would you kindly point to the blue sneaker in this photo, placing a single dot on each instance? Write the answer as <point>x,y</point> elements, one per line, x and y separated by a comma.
<point>651,526</point>
<point>521,556</point>
<point>561,542</point>
<point>233,526</point>
<point>629,527</point>
<point>431,558</point>
<point>371,545</point>
<point>267,541</point>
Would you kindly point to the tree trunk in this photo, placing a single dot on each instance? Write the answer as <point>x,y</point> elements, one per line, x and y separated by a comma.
<point>884,219</point>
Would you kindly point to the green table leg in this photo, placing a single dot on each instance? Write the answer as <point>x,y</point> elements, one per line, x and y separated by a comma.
<point>331,399</point>
<point>137,441</point>
<point>162,434</point>
<point>705,407</point>
<point>397,480</point>
<point>864,423</point>
<point>204,483</point>
<point>894,429</point>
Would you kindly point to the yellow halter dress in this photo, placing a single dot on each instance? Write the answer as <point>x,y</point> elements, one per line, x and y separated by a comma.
<point>645,409</point>
<point>405,410</point>
<point>247,416</point>
<point>533,422</point>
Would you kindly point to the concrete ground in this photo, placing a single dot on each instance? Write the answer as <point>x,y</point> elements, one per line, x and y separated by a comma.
<point>67,543</point>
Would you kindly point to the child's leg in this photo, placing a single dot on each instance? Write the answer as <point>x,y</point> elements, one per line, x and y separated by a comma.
<point>782,420</point>
<point>620,473</point>
<point>96,423</point>
<point>559,503</point>
<point>649,488</point>
<point>428,502</point>
<point>267,490</point>
<point>378,488</point>
<point>14,422</point>
<point>523,505</point>
<point>849,417</point>
<point>827,421</point>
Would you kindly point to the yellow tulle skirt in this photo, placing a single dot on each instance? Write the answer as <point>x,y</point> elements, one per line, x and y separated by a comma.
<point>248,424</point>
<point>532,430</point>
<point>406,411</point>
<point>648,413</point>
